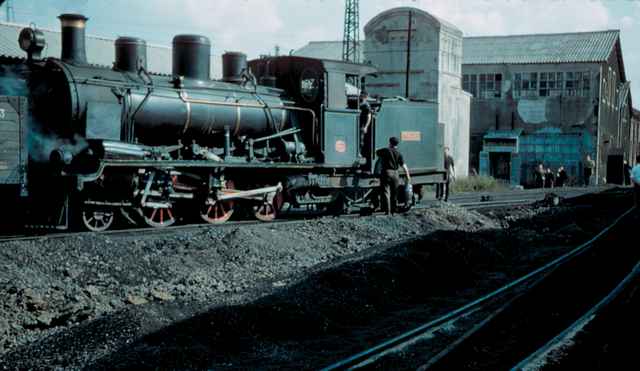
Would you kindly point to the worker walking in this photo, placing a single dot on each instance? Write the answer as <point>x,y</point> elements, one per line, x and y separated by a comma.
<point>443,189</point>
<point>540,176</point>
<point>562,177</point>
<point>390,162</point>
<point>589,165</point>
<point>549,179</point>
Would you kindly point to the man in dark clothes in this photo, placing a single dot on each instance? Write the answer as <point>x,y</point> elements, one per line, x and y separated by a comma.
<point>627,173</point>
<point>561,178</point>
<point>540,176</point>
<point>549,179</point>
<point>366,118</point>
<point>391,160</point>
<point>442,190</point>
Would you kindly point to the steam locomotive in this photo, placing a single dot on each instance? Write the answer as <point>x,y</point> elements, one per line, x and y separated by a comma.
<point>84,144</point>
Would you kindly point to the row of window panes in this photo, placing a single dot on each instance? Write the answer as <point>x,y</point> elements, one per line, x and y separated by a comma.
<point>533,84</point>
<point>490,85</point>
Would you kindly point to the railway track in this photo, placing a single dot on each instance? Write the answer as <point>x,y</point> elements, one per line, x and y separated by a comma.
<point>471,201</point>
<point>514,324</point>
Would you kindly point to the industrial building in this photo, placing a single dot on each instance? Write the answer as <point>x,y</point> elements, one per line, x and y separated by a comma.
<point>434,57</point>
<point>550,99</point>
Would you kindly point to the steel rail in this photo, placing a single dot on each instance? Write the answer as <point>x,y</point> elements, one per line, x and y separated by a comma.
<point>558,340</point>
<point>300,219</point>
<point>409,336</point>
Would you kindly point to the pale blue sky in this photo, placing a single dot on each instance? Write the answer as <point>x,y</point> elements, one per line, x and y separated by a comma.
<point>256,26</point>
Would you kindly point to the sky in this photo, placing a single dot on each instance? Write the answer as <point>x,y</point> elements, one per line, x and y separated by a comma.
<point>257,26</point>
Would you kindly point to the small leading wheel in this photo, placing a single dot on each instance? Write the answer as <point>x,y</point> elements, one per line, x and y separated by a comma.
<point>158,217</point>
<point>217,212</point>
<point>97,220</point>
<point>265,211</point>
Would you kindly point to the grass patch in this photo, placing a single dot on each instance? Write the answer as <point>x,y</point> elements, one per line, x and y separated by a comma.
<point>478,184</point>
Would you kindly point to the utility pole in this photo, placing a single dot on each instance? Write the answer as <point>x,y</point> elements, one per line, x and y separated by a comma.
<point>10,15</point>
<point>351,40</point>
<point>408,75</point>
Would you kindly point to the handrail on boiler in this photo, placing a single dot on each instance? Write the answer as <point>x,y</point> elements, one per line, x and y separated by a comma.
<point>186,99</point>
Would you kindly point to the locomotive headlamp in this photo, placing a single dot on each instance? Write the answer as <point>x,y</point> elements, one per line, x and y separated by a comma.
<point>32,41</point>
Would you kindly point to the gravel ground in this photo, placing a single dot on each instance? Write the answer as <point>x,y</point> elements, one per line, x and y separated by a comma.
<point>77,289</point>
<point>266,296</point>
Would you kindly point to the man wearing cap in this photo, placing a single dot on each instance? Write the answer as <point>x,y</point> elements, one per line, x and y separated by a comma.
<point>391,161</point>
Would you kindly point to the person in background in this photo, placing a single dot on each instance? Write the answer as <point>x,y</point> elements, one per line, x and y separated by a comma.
<point>627,173</point>
<point>366,118</point>
<point>561,178</point>
<point>443,190</point>
<point>391,161</point>
<point>540,176</point>
<point>635,178</point>
<point>549,179</point>
<point>589,165</point>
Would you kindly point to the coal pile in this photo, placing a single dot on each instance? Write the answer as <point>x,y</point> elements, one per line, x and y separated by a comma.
<point>261,296</point>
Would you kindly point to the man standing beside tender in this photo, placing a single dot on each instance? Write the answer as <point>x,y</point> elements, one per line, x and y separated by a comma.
<point>391,161</point>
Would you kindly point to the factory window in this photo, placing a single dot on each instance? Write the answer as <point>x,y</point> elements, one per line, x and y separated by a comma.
<point>470,84</point>
<point>544,84</point>
<point>526,84</point>
<point>559,84</point>
<point>490,85</point>
<point>578,84</point>
<point>573,83</point>
<point>466,83</point>
<point>586,83</point>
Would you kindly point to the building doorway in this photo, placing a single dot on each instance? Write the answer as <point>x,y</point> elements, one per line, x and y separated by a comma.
<point>500,165</point>
<point>615,169</point>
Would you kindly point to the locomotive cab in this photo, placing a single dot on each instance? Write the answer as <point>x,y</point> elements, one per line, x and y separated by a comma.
<point>325,87</point>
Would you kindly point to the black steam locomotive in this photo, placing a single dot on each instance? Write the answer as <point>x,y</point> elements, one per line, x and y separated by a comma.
<point>89,144</point>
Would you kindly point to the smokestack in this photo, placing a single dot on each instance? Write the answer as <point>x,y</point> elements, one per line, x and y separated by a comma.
<point>73,39</point>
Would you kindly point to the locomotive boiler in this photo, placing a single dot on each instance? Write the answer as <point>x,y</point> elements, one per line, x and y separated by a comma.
<point>93,143</point>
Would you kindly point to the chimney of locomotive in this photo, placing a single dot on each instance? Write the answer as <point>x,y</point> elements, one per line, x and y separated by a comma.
<point>131,54</point>
<point>233,65</point>
<point>192,57</point>
<point>73,39</point>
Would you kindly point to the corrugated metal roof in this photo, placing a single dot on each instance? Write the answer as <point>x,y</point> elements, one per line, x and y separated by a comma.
<point>540,48</point>
<point>100,50</point>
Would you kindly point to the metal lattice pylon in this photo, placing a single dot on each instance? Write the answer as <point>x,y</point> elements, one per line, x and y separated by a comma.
<point>351,38</point>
